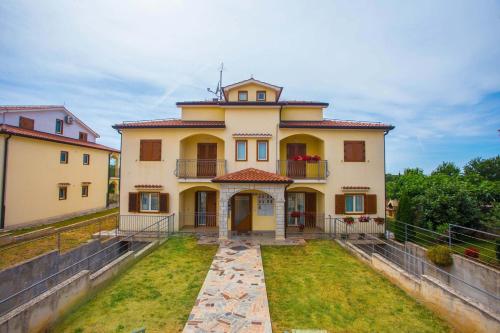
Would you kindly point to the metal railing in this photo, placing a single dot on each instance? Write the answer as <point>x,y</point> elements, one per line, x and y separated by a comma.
<point>198,219</point>
<point>142,223</point>
<point>92,263</point>
<point>321,226</point>
<point>401,256</point>
<point>471,243</point>
<point>317,170</point>
<point>198,168</point>
<point>305,220</point>
<point>357,229</point>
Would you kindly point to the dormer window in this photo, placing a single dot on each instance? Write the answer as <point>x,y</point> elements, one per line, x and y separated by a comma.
<point>59,126</point>
<point>261,96</point>
<point>243,96</point>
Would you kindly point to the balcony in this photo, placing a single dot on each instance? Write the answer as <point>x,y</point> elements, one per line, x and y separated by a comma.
<point>200,168</point>
<point>307,170</point>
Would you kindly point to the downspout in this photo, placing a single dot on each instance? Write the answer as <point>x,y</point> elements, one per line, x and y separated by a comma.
<point>284,209</point>
<point>120,170</point>
<point>4,179</point>
<point>278,166</point>
<point>385,187</point>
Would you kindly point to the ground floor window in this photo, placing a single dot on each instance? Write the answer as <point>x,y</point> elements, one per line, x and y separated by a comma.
<point>85,190</point>
<point>150,202</point>
<point>265,205</point>
<point>63,192</point>
<point>354,203</point>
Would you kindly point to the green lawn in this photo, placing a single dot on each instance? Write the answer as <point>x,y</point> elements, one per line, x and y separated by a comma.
<point>157,293</point>
<point>321,286</point>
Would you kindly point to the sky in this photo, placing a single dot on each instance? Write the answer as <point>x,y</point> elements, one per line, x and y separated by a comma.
<point>430,68</point>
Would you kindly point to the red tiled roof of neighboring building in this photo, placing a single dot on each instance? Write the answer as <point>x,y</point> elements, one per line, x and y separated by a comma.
<point>7,129</point>
<point>252,103</point>
<point>335,124</point>
<point>15,108</point>
<point>171,123</point>
<point>252,175</point>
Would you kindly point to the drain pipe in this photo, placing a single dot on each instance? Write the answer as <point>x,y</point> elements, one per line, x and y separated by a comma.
<point>4,179</point>
<point>284,210</point>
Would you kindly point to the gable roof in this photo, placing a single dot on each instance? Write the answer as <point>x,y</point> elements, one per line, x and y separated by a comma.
<point>39,108</point>
<point>251,103</point>
<point>13,130</point>
<point>170,123</point>
<point>336,124</point>
<point>278,89</point>
<point>252,175</point>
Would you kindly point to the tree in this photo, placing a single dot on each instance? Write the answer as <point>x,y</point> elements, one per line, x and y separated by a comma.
<point>485,168</point>
<point>448,169</point>
<point>405,215</point>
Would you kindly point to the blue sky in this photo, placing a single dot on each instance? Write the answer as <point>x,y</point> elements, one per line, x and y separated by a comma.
<point>431,68</point>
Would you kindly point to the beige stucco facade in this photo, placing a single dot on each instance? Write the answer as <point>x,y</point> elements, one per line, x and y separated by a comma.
<point>252,122</point>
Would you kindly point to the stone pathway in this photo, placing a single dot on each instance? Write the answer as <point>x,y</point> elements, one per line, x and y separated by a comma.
<point>233,297</point>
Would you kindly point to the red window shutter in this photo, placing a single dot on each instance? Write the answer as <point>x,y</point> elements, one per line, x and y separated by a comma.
<point>339,204</point>
<point>371,204</point>
<point>133,202</point>
<point>163,202</point>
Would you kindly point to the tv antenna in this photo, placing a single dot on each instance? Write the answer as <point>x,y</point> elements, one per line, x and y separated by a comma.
<point>218,91</point>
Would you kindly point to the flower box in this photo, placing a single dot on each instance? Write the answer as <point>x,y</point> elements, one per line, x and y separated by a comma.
<point>348,220</point>
<point>379,220</point>
<point>364,218</point>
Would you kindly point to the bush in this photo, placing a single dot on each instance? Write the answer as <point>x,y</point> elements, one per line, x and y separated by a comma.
<point>471,252</point>
<point>440,255</point>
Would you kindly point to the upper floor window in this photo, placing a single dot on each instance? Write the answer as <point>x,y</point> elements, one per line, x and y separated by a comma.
<point>243,96</point>
<point>64,157</point>
<point>150,150</point>
<point>82,136</point>
<point>26,123</point>
<point>262,150</point>
<point>261,96</point>
<point>86,159</point>
<point>241,150</point>
<point>59,126</point>
<point>354,151</point>
<point>354,203</point>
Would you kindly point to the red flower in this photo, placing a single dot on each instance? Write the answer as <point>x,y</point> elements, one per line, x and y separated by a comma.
<point>295,214</point>
<point>471,252</point>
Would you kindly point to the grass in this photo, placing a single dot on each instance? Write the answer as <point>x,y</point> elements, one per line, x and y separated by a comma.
<point>157,293</point>
<point>321,286</point>
<point>13,254</point>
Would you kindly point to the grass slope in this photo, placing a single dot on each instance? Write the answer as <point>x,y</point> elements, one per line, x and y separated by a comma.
<point>157,293</point>
<point>321,286</point>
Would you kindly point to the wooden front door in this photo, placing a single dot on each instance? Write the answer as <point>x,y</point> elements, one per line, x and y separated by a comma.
<point>206,162</point>
<point>295,169</point>
<point>241,212</point>
<point>205,209</point>
<point>310,209</point>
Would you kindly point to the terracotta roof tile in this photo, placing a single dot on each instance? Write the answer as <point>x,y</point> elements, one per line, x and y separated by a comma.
<point>51,137</point>
<point>335,124</point>
<point>171,123</point>
<point>256,135</point>
<point>15,108</point>
<point>355,187</point>
<point>148,186</point>
<point>255,103</point>
<point>252,175</point>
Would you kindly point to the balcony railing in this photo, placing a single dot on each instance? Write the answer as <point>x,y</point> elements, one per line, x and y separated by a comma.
<point>198,219</point>
<point>194,168</point>
<point>317,170</point>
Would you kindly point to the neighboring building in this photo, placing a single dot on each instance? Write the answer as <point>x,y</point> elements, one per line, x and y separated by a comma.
<point>51,166</point>
<point>391,208</point>
<point>114,180</point>
<point>252,162</point>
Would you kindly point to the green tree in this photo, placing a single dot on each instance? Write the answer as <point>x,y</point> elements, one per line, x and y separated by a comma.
<point>485,168</point>
<point>448,169</point>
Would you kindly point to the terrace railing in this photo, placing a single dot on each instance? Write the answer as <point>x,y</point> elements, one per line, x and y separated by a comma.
<point>198,168</point>
<point>317,170</point>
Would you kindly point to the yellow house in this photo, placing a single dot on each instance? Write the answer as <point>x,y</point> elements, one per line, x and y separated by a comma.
<point>253,162</point>
<point>51,166</point>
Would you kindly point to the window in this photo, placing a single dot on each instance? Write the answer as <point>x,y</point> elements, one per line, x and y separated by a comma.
<point>241,150</point>
<point>354,151</point>
<point>354,203</point>
<point>265,205</point>
<point>261,96</point>
<point>262,150</point>
<point>150,202</point>
<point>150,150</point>
<point>26,123</point>
<point>82,136</point>
<point>242,96</point>
<point>85,190</point>
<point>63,192</point>
<point>86,159</point>
<point>64,157</point>
<point>59,126</point>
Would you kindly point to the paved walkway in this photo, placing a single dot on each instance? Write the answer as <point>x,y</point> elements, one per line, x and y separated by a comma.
<point>233,297</point>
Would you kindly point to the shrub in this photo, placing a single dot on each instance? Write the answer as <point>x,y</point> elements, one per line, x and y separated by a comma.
<point>440,255</point>
<point>471,252</point>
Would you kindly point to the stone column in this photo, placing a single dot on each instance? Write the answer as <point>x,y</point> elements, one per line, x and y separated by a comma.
<point>280,219</point>
<point>223,215</point>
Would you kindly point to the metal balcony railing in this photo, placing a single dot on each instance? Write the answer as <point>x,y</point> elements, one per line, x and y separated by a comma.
<point>194,168</point>
<point>317,170</point>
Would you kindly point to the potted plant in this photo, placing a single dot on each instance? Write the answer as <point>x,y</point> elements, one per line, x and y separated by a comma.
<point>364,218</point>
<point>379,220</point>
<point>315,159</point>
<point>471,252</point>
<point>298,158</point>
<point>348,220</point>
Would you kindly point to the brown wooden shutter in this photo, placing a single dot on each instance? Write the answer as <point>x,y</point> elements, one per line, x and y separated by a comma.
<point>371,204</point>
<point>163,202</point>
<point>156,150</point>
<point>133,202</point>
<point>339,204</point>
<point>26,123</point>
<point>150,150</point>
<point>354,151</point>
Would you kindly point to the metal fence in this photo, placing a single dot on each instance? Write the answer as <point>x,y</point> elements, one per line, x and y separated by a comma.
<point>401,256</point>
<point>302,169</point>
<point>198,219</point>
<point>160,229</point>
<point>474,244</point>
<point>200,168</point>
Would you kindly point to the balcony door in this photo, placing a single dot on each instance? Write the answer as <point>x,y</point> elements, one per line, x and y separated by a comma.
<point>205,207</point>
<point>295,169</point>
<point>206,162</point>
